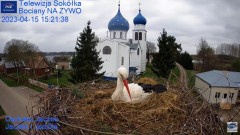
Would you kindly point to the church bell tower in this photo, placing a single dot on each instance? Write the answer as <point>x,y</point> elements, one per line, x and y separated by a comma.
<point>140,36</point>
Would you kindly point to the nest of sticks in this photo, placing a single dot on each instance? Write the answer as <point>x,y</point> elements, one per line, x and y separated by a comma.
<point>176,111</point>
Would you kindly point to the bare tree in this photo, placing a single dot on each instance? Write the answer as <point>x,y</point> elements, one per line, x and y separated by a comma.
<point>229,49</point>
<point>151,48</point>
<point>17,51</point>
<point>205,54</point>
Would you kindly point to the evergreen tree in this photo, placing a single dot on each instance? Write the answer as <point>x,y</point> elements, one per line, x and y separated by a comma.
<point>164,61</point>
<point>236,65</point>
<point>185,60</point>
<point>86,62</point>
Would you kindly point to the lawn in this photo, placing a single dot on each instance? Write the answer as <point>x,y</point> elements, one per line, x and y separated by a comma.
<point>150,74</point>
<point>12,83</point>
<point>191,78</point>
<point>3,124</point>
<point>62,80</point>
<point>9,82</point>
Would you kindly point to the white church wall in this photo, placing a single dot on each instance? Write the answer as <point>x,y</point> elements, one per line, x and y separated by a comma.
<point>110,60</point>
<point>123,56</point>
<point>118,37</point>
<point>139,27</point>
<point>143,45</point>
<point>135,60</point>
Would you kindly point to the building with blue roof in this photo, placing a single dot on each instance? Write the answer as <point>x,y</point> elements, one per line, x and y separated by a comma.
<point>216,86</point>
<point>116,50</point>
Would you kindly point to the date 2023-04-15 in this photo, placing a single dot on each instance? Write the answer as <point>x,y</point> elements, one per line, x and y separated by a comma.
<point>35,19</point>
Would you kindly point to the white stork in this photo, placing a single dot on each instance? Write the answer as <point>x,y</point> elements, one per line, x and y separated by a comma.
<point>131,92</point>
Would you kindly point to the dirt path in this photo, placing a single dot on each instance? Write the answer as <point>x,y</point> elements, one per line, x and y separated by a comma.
<point>183,75</point>
<point>15,99</point>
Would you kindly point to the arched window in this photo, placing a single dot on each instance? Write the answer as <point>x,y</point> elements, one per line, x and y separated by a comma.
<point>125,35</point>
<point>145,36</point>
<point>136,36</point>
<point>138,51</point>
<point>114,34</point>
<point>140,35</point>
<point>107,50</point>
<point>122,62</point>
<point>121,35</point>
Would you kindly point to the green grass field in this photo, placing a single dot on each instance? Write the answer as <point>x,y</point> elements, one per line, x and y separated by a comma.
<point>191,78</point>
<point>150,74</point>
<point>63,80</point>
<point>8,81</point>
<point>12,83</point>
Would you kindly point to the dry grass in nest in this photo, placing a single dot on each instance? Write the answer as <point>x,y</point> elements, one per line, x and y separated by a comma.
<point>147,81</point>
<point>99,112</point>
<point>176,111</point>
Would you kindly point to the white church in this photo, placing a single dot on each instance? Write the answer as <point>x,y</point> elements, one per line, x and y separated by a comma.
<point>117,50</point>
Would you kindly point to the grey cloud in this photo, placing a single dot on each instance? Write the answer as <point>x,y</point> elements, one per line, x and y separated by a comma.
<point>188,20</point>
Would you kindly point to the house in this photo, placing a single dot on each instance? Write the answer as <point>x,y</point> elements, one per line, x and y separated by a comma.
<point>1,65</point>
<point>216,86</point>
<point>37,65</point>
<point>63,62</point>
<point>9,67</point>
<point>116,50</point>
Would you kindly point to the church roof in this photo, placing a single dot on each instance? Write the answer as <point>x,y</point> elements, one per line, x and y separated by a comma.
<point>133,46</point>
<point>118,22</point>
<point>140,19</point>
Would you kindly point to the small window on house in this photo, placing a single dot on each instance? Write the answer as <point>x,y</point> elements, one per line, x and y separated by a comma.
<point>225,95</point>
<point>217,94</point>
<point>107,50</point>
<point>138,51</point>
<point>136,35</point>
<point>122,61</point>
<point>140,35</point>
<point>121,35</point>
<point>114,34</point>
<point>231,95</point>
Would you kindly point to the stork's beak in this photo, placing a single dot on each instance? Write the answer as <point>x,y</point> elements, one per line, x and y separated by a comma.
<point>126,85</point>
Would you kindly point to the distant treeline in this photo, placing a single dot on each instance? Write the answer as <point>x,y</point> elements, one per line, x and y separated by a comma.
<point>229,49</point>
<point>58,53</point>
<point>2,55</point>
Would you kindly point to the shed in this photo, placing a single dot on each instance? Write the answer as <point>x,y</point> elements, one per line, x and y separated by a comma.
<point>217,85</point>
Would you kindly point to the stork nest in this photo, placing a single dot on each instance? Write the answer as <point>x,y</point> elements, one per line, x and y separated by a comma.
<point>176,111</point>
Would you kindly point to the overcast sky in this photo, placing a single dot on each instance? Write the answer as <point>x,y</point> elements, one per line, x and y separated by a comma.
<point>217,21</point>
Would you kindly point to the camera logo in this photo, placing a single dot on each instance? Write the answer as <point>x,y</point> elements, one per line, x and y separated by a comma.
<point>8,6</point>
<point>232,127</point>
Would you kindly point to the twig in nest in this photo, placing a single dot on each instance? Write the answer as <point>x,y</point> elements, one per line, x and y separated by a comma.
<point>177,107</point>
<point>86,129</point>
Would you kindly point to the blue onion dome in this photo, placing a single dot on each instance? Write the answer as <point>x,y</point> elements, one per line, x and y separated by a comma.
<point>139,19</point>
<point>118,22</point>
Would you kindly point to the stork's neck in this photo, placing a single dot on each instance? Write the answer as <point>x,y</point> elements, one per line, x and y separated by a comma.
<point>117,94</point>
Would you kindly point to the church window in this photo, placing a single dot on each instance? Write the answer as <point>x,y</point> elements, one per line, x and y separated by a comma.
<point>125,36</point>
<point>107,50</point>
<point>140,35</point>
<point>145,37</point>
<point>114,34</point>
<point>138,51</point>
<point>122,62</point>
<point>121,35</point>
<point>136,35</point>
